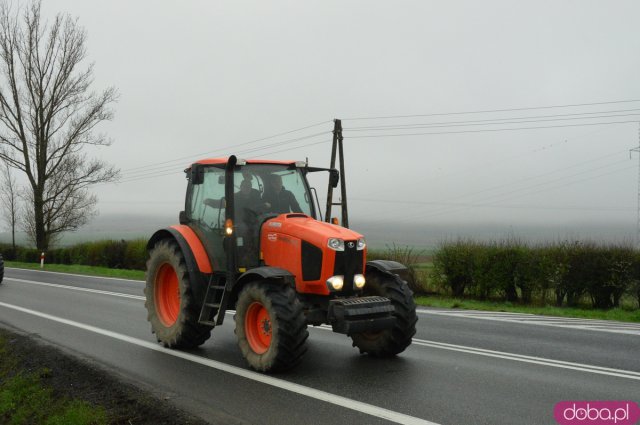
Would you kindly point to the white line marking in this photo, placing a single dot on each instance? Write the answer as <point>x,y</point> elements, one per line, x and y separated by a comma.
<point>582,324</point>
<point>77,288</point>
<point>75,274</point>
<point>426,343</point>
<point>347,403</point>
<point>531,359</point>
<point>629,374</point>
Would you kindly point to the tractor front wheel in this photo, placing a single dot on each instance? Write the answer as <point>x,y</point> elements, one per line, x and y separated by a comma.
<point>270,326</point>
<point>171,308</point>
<point>392,341</point>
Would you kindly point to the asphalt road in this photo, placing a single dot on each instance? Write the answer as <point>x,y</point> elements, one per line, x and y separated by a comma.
<point>463,367</point>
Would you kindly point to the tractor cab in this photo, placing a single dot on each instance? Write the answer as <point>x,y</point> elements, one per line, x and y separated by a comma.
<point>221,201</point>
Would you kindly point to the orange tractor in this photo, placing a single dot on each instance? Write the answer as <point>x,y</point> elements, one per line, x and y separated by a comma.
<point>250,240</point>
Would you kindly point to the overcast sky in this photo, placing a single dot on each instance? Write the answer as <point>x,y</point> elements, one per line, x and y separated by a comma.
<point>200,78</point>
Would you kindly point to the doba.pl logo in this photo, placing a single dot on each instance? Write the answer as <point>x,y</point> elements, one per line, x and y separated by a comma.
<point>596,412</point>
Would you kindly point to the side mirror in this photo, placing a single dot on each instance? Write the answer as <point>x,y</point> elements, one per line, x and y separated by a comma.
<point>197,174</point>
<point>182,217</point>
<point>334,178</point>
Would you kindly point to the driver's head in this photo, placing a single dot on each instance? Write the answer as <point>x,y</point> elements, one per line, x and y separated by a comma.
<point>245,187</point>
<point>276,182</point>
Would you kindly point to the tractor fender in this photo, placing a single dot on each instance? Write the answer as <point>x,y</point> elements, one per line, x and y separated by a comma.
<point>388,267</point>
<point>197,266</point>
<point>266,272</point>
<point>274,274</point>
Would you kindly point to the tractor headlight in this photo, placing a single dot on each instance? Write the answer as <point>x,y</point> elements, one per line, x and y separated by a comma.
<point>336,244</point>
<point>359,281</point>
<point>361,244</point>
<point>335,283</point>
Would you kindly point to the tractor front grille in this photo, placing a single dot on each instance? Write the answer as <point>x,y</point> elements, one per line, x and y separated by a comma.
<point>348,263</point>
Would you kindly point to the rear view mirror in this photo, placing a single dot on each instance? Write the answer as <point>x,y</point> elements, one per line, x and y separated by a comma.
<point>197,174</point>
<point>182,217</point>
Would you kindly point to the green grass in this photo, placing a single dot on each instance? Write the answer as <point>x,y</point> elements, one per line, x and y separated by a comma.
<point>587,313</point>
<point>25,400</point>
<point>82,270</point>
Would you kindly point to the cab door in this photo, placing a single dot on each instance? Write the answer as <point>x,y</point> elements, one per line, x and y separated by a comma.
<point>206,212</point>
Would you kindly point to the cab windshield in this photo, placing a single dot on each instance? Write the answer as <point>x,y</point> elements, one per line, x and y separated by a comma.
<point>258,189</point>
<point>271,188</point>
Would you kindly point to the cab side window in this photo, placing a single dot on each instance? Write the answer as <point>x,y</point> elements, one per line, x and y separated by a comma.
<point>207,199</point>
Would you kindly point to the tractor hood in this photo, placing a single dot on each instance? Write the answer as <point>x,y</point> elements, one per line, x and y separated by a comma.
<point>307,228</point>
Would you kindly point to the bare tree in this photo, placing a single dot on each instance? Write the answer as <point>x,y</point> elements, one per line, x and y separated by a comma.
<point>10,202</point>
<point>48,115</point>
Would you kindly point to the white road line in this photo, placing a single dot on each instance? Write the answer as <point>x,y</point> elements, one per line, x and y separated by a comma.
<point>582,324</point>
<point>76,275</point>
<point>427,343</point>
<point>620,373</point>
<point>347,403</point>
<point>534,360</point>
<point>77,288</point>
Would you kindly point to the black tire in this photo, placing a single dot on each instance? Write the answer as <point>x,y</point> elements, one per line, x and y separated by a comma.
<point>175,323</point>
<point>392,341</point>
<point>1,268</point>
<point>285,326</point>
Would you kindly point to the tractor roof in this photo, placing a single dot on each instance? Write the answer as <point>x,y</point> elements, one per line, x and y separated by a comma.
<point>212,161</point>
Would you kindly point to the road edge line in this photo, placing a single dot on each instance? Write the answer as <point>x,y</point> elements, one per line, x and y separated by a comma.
<point>347,403</point>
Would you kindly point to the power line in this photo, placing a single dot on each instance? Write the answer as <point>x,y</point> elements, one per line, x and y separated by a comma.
<point>502,194</point>
<point>500,121</point>
<point>523,194</point>
<point>638,211</point>
<point>511,183</point>
<point>489,130</point>
<point>474,205</point>
<point>291,148</point>
<point>493,110</point>
<point>166,170</point>
<point>493,163</point>
<point>229,147</point>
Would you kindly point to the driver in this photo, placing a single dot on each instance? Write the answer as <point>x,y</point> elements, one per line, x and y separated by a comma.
<point>248,200</point>
<point>279,199</point>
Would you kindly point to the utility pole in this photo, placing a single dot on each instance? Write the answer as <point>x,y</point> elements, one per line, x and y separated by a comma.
<point>336,147</point>
<point>637,150</point>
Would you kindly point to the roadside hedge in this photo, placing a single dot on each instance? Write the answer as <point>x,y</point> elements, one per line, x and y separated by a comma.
<point>564,273</point>
<point>516,272</point>
<point>116,254</point>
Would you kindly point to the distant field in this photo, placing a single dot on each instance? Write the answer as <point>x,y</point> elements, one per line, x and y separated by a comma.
<point>422,236</point>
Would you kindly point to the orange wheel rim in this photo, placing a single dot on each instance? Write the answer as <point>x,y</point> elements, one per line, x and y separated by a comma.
<point>257,327</point>
<point>167,294</point>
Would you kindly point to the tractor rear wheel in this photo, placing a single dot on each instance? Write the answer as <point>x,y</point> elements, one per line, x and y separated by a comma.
<point>270,326</point>
<point>388,343</point>
<point>171,307</point>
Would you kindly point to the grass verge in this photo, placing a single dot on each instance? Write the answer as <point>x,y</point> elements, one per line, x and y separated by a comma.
<point>41,385</point>
<point>586,313</point>
<point>25,400</point>
<point>78,269</point>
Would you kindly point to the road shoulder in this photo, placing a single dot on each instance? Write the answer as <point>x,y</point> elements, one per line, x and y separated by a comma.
<point>71,377</point>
